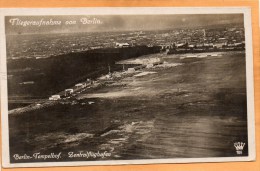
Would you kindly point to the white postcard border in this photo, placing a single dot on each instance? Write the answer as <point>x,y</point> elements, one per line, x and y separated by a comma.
<point>130,11</point>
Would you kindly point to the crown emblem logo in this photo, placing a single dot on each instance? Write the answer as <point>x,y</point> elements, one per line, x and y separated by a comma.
<point>239,147</point>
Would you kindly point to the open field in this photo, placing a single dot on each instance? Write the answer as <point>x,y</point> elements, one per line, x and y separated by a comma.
<point>194,109</point>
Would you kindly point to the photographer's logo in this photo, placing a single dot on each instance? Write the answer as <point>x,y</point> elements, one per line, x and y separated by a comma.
<point>239,147</point>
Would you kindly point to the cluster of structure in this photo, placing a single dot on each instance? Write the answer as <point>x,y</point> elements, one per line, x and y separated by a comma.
<point>70,92</point>
<point>58,44</point>
<point>231,39</point>
<point>81,87</point>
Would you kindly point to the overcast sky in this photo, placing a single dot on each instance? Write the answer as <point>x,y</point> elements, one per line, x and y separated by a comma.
<point>118,22</point>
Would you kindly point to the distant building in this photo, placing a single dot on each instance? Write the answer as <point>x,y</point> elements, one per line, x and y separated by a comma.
<point>96,47</point>
<point>68,92</point>
<point>178,45</point>
<point>122,45</point>
<point>219,45</point>
<point>54,97</point>
<point>81,85</point>
<point>149,65</point>
<point>27,82</point>
<point>199,45</point>
<point>131,70</point>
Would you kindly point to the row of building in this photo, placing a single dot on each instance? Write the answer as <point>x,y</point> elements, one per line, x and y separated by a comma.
<point>67,93</point>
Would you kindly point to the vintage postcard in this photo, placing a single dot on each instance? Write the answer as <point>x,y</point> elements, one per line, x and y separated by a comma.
<point>108,86</point>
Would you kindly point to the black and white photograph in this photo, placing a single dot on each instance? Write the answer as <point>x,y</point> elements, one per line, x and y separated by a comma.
<point>107,86</point>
